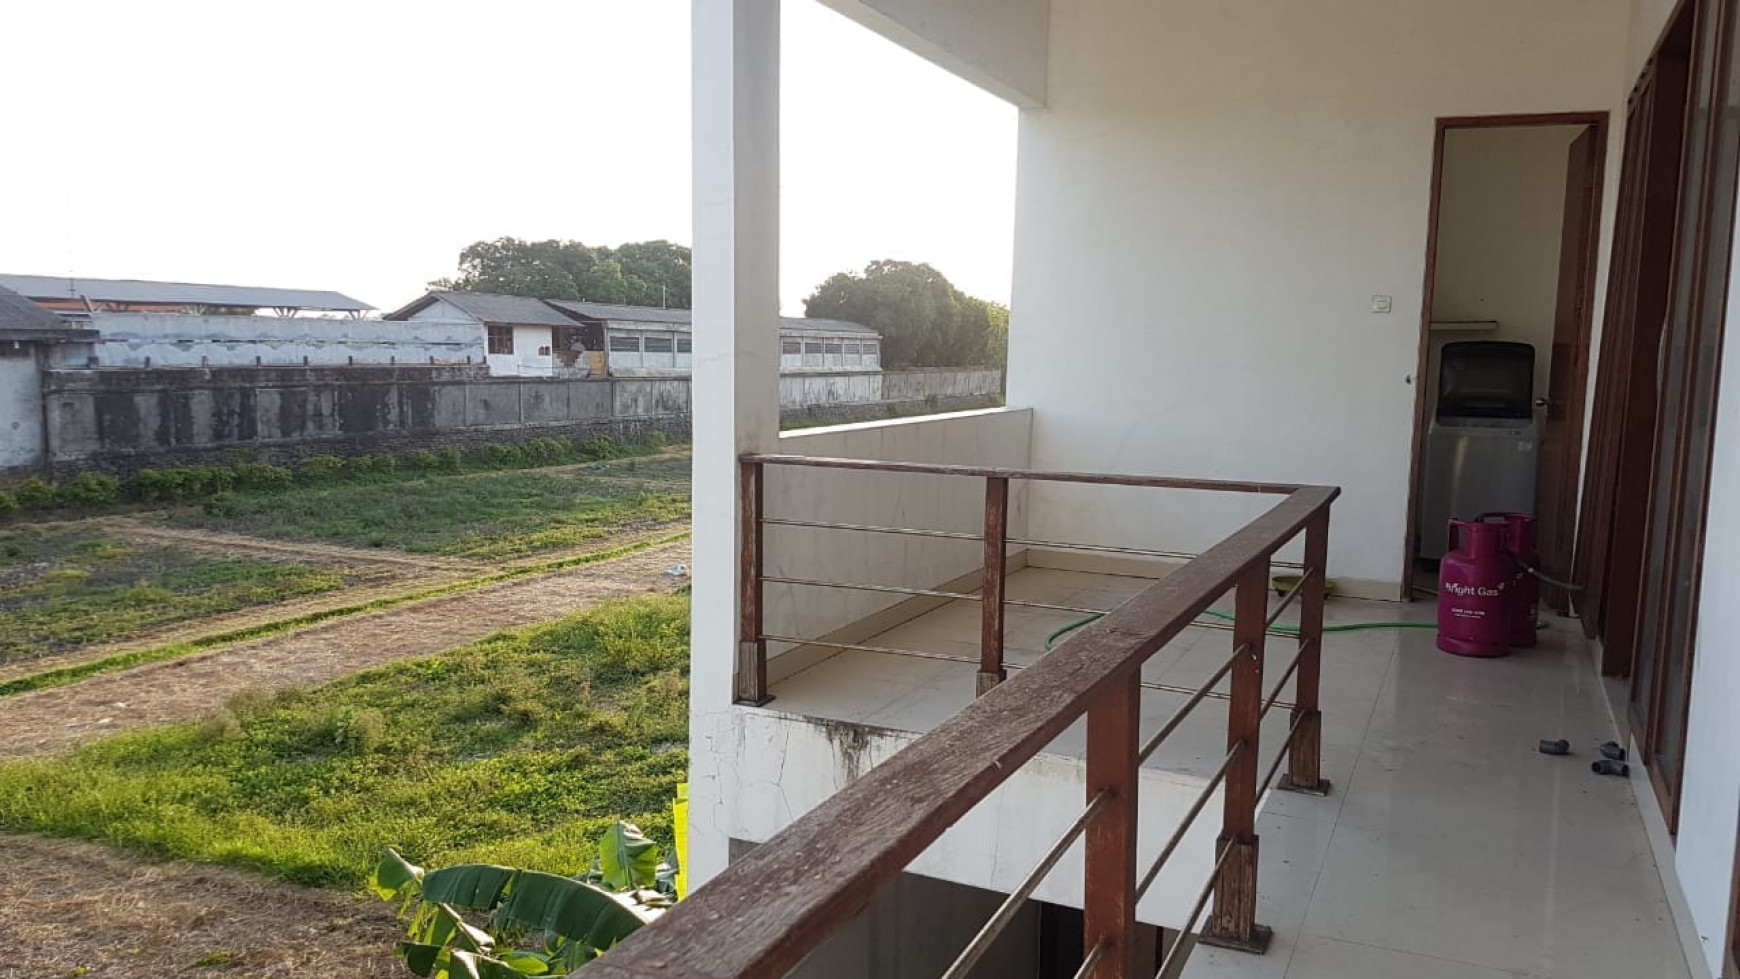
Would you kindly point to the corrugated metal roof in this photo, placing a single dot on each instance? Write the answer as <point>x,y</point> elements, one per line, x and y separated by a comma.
<point>489,307</point>
<point>19,313</point>
<point>178,293</point>
<point>615,313</point>
<point>808,324</point>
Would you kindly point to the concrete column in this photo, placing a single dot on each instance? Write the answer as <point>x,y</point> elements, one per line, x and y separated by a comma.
<point>736,364</point>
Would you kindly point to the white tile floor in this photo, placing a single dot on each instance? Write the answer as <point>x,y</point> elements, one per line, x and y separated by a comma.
<point>1449,849</point>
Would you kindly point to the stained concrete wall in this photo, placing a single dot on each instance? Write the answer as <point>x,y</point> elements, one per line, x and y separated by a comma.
<point>20,408</point>
<point>166,340</point>
<point>123,419</point>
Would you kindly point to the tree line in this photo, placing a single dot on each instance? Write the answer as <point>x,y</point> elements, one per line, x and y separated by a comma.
<point>925,321</point>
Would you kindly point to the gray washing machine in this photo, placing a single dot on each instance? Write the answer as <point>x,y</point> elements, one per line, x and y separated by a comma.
<point>1483,445</point>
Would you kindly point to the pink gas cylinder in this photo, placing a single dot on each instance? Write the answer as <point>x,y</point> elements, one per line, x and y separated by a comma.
<point>1525,588</point>
<point>1474,579</point>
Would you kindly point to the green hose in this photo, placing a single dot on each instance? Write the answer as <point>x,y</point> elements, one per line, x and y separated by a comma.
<point>1290,630</point>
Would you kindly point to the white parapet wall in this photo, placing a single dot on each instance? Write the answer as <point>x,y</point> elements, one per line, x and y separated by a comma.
<point>990,437</point>
<point>175,340</point>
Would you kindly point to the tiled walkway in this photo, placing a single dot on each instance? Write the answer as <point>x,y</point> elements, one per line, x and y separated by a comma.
<point>1449,849</point>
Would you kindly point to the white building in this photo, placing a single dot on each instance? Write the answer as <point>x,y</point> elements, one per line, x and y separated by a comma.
<point>649,340</point>
<point>1243,198</point>
<point>545,337</point>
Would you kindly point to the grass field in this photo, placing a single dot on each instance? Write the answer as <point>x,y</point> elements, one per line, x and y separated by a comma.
<point>63,587</point>
<point>519,749</point>
<point>484,515</point>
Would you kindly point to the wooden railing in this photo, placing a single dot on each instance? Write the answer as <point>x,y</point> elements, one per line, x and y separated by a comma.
<point>767,911</point>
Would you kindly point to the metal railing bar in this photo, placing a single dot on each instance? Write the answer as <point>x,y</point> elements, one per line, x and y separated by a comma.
<point>927,593</point>
<point>1196,697</point>
<point>1216,625</point>
<point>1036,475</point>
<point>870,528</point>
<point>945,657</point>
<point>1122,549</point>
<point>1182,945</point>
<point>1189,819</point>
<point>1011,905</point>
<point>1287,674</point>
<point>916,653</point>
<point>1287,598</point>
<point>1286,746</point>
<point>1091,961</point>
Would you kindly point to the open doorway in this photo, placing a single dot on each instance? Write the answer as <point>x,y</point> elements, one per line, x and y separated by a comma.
<point>1505,326</point>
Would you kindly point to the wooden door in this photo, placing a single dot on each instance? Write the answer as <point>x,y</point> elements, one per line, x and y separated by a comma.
<point>1686,402</point>
<point>1616,484</point>
<point>1562,429</point>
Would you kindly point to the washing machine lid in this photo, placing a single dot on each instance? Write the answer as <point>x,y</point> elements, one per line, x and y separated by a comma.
<point>1486,379</point>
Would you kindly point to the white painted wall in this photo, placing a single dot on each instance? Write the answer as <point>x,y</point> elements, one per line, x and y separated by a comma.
<point>1501,215</point>
<point>175,340</point>
<point>1710,795</point>
<point>20,409</point>
<point>534,351</point>
<point>992,437</point>
<point>1218,190</point>
<point>999,45</point>
<point>785,765</point>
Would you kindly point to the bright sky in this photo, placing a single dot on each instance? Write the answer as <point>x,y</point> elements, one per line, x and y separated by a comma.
<point>359,146</point>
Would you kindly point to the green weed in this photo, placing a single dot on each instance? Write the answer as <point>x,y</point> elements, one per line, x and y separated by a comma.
<point>312,785</point>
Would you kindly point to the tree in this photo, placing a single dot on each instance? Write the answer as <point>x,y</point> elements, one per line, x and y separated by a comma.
<point>639,273</point>
<point>924,320</point>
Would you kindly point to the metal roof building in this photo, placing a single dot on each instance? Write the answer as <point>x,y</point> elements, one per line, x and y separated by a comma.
<point>75,293</point>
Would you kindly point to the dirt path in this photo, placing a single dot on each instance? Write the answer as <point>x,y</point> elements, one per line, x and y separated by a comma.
<point>227,544</point>
<point>61,717</point>
<point>97,913</point>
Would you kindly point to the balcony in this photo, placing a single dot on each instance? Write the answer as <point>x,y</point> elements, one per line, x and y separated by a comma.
<point>927,727</point>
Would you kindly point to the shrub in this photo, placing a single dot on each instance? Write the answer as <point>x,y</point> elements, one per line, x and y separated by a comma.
<point>89,490</point>
<point>565,443</point>
<point>146,485</point>
<point>385,463</point>
<point>423,459</point>
<point>319,469</point>
<point>34,494</point>
<point>260,475</point>
<point>450,459</point>
<point>601,447</point>
<point>658,440</point>
<point>8,503</point>
<point>504,455</point>
<point>358,730</point>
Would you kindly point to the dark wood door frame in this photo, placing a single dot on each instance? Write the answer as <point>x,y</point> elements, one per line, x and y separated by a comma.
<point>1610,532</point>
<point>1597,119</point>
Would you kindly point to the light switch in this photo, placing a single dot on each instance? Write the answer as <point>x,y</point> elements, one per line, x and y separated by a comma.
<point>1380,304</point>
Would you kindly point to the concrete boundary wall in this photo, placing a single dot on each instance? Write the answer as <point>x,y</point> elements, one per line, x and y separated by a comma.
<point>161,339</point>
<point>122,420</point>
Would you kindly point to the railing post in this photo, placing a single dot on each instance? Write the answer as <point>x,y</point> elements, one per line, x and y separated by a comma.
<point>751,648</point>
<point>1234,922</point>
<point>1305,757</point>
<point>1109,904</point>
<point>991,669</point>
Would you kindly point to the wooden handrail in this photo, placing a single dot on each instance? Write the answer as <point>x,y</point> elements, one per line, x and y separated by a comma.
<point>1035,475</point>
<point>770,909</point>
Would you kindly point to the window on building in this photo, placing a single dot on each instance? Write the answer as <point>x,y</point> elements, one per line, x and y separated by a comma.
<point>872,349</point>
<point>831,348</point>
<point>658,345</point>
<point>812,347</point>
<point>852,349</point>
<point>501,339</point>
<point>791,347</point>
<point>685,345</point>
<point>624,345</point>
